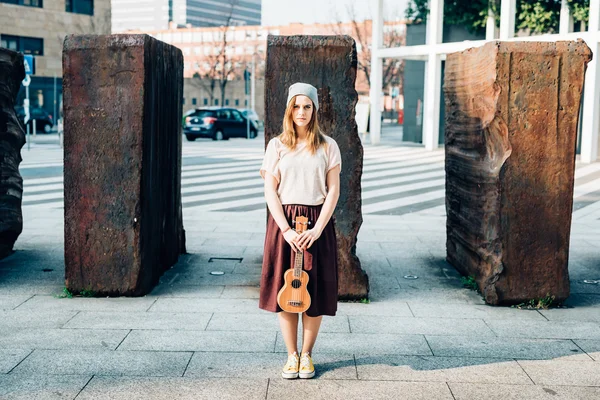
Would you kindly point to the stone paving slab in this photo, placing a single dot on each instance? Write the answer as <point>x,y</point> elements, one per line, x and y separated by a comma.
<point>35,319</point>
<point>419,326</point>
<point>268,322</point>
<point>9,358</point>
<point>427,295</point>
<point>591,347</point>
<point>10,302</point>
<point>241,292</point>
<point>357,390</point>
<point>99,362</point>
<point>231,279</point>
<point>49,303</point>
<point>469,391</point>
<point>128,388</point>
<point>205,253</point>
<point>206,305</point>
<point>196,269</point>
<point>29,289</point>
<point>248,268</point>
<point>557,372</point>
<point>366,344</point>
<point>41,387</point>
<point>138,320</point>
<point>493,347</point>
<point>265,365</point>
<point>177,340</point>
<point>573,314</point>
<point>382,308</point>
<point>441,369</point>
<point>429,310</point>
<point>47,338</point>
<point>225,240</point>
<point>546,329</point>
<point>179,290</point>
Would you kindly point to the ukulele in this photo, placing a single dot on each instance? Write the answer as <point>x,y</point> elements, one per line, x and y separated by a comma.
<point>293,296</point>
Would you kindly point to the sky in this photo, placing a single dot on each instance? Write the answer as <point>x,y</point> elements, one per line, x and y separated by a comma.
<point>283,12</point>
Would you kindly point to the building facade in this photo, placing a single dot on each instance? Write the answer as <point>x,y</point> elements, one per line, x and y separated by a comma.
<point>236,48</point>
<point>435,49</point>
<point>153,15</point>
<point>38,27</point>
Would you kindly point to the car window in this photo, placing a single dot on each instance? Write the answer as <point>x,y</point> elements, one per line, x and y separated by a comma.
<point>224,114</point>
<point>202,114</point>
<point>236,116</point>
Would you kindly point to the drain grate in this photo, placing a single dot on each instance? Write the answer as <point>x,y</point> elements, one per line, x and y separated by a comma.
<point>217,259</point>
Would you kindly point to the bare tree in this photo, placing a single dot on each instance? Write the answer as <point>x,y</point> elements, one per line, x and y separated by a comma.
<point>361,32</point>
<point>221,66</point>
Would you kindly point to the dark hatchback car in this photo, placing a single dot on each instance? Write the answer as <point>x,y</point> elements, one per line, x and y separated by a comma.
<point>43,120</point>
<point>217,124</point>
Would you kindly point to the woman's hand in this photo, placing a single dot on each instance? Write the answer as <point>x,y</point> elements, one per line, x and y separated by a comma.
<point>307,238</point>
<point>291,237</point>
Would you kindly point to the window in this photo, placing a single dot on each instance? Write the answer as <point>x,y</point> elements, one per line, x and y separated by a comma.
<point>236,116</point>
<point>29,3</point>
<point>224,114</point>
<point>80,6</point>
<point>226,102</point>
<point>193,101</point>
<point>216,102</point>
<point>237,102</point>
<point>205,101</point>
<point>26,45</point>
<point>246,102</point>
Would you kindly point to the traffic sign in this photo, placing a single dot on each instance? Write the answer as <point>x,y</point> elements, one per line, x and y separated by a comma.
<point>29,62</point>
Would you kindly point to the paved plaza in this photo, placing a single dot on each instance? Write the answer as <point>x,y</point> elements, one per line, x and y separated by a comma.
<point>202,336</point>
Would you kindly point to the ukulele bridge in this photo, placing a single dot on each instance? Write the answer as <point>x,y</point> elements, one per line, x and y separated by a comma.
<point>295,303</point>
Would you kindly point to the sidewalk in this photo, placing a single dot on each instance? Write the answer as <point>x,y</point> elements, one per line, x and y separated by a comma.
<point>200,336</point>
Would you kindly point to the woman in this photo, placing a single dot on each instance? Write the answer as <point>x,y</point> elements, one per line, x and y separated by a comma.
<point>301,170</point>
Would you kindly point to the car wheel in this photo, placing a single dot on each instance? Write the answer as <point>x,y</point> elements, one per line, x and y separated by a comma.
<point>218,135</point>
<point>190,138</point>
<point>47,128</point>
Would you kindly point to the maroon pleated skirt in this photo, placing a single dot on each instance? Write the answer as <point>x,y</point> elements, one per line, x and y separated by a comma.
<point>320,262</point>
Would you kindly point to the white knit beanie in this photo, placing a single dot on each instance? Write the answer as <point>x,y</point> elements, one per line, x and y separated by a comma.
<point>305,89</point>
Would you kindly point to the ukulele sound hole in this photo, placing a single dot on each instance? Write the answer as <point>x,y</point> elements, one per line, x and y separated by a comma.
<point>296,283</point>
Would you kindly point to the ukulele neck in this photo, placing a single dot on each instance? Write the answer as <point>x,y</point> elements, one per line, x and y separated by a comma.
<point>298,264</point>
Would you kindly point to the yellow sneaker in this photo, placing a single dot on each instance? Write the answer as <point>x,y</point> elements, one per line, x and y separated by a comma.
<point>290,369</point>
<point>307,368</point>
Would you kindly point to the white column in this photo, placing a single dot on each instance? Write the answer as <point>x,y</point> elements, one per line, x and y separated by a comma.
<point>376,73</point>
<point>565,18</point>
<point>590,119</point>
<point>508,9</point>
<point>433,76</point>
<point>490,25</point>
<point>253,84</point>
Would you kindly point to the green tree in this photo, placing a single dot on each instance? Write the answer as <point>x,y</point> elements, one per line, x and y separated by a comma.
<point>537,16</point>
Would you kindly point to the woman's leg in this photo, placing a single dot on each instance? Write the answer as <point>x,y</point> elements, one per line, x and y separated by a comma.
<point>310,330</point>
<point>289,330</point>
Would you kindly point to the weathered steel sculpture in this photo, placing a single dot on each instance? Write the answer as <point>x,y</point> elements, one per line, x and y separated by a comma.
<point>123,216</point>
<point>511,128</point>
<point>328,63</point>
<point>12,139</point>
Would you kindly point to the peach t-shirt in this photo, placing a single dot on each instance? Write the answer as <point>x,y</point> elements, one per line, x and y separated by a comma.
<point>300,174</point>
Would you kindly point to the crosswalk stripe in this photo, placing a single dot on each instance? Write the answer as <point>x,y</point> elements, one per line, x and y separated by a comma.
<point>389,204</point>
<point>395,180</point>
<point>586,188</point>
<point>588,169</point>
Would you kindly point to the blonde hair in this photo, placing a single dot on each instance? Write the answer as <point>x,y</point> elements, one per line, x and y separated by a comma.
<point>289,138</point>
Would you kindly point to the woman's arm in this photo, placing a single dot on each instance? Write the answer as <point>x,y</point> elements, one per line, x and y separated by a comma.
<point>276,210</point>
<point>307,238</point>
